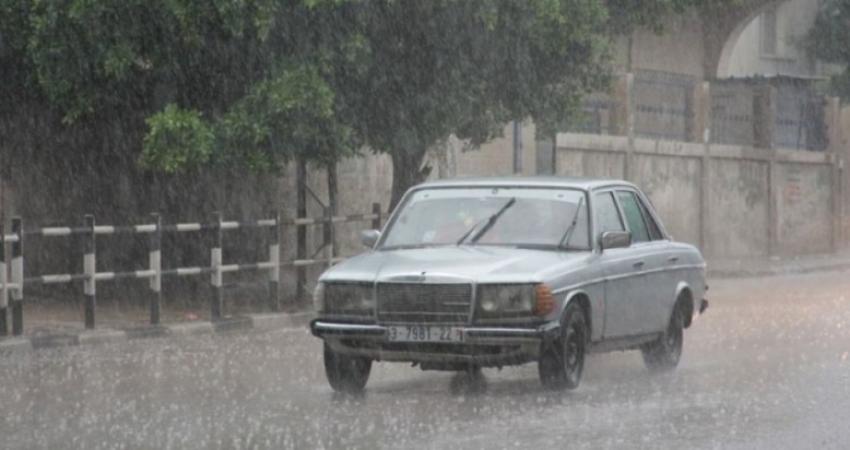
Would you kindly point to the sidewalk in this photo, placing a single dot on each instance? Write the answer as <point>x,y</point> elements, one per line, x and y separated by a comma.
<point>70,334</point>
<point>764,266</point>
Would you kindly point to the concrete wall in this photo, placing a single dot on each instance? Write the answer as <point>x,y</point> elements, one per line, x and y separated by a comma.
<point>668,192</point>
<point>679,49</point>
<point>803,208</point>
<point>454,158</point>
<point>737,222</point>
<point>731,201</point>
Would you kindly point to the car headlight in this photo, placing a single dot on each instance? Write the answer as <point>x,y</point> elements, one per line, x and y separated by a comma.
<point>349,298</point>
<point>500,300</point>
<point>514,300</point>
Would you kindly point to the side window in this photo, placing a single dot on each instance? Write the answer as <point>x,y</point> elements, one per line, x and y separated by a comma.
<point>607,215</point>
<point>654,231</point>
<point>634,216</point>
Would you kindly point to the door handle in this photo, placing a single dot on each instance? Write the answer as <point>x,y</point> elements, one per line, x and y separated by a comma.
<point>673,259</point>
<point>638,264</point>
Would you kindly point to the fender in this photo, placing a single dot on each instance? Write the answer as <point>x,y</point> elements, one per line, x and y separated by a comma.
<point>571,295</point>
<point>680,288</point>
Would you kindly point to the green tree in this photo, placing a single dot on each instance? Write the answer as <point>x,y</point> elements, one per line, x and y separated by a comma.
<point>431,69</point>
<point>829,40</point>
<point>252,83</point>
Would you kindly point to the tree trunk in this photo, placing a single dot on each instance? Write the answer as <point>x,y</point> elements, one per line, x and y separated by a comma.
<point>407,172</point>
<point>333,190</point>
<point>301,238</point>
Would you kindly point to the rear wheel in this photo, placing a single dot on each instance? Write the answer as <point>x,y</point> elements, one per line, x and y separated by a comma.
<point>562,361</point>
<point>346,373</point>
<point>663,354</point>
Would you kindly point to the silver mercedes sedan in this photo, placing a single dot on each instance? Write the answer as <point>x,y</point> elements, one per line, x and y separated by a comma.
<point>491,272</point>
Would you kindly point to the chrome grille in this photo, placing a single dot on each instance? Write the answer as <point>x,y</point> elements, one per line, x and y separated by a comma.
<point>428,303</point>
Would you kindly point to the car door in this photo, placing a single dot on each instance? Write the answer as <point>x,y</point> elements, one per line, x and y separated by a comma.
<point>624,290</point>
<point>670,258</point>
<point>651,264</point>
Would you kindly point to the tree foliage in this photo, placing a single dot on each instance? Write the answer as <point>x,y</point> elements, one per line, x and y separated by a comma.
<point>253,83</point>
<point>626,15</point>
<point>290,115</point>
<point>177,139</point>
<point>829,40</point>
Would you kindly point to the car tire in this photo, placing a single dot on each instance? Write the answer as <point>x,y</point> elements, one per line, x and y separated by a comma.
<point>663,354</point>
<point>561,361</point>
<point>346,373</point>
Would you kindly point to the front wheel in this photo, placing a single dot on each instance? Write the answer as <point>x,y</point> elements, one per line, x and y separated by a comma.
<point>346,373</point>
<point>663,354</point>
<point>562,361</point>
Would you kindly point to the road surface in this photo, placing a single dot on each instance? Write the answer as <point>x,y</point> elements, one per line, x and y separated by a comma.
<point>766,367</point>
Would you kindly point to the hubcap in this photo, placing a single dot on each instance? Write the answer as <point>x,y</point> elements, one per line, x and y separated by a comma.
<point>573,354</point>
<point>673,340</point>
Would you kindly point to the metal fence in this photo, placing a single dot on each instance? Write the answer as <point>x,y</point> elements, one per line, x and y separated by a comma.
<point>792,118</point>
<point>776,112</point>
<point>596,116</point>
<point>798,120</point>
<point>14,279</point>
<point>662,105</point>
<point>732,120</point>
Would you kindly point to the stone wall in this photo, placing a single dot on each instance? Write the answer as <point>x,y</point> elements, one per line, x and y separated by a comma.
<point>731,201</point>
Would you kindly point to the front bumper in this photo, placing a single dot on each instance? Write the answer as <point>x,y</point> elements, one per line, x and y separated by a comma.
<point>482,345</point>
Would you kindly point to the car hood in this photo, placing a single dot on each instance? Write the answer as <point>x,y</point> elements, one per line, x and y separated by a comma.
<point>456,264</point>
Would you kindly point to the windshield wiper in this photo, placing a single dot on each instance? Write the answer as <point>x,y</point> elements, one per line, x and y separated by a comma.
<point>406,247</point>
<point>566,237</point>
<point>490,221</point>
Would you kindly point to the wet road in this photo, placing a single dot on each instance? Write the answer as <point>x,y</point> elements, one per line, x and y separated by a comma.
<point>767,367</point>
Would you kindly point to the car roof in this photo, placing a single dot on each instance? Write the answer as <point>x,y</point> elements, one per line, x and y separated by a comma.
<point>587,184</point>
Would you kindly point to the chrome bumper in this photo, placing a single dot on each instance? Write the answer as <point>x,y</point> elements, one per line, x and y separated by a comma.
<point>473,335</point>
<point>484,346</point>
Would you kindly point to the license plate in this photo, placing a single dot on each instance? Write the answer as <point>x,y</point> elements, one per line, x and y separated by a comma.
<point>424,333</point>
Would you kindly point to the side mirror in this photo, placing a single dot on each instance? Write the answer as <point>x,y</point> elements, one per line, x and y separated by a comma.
<point>369,237</point>
<point>615,239</point>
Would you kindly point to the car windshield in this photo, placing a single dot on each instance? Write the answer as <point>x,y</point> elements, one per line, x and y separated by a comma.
<point>520,217</point>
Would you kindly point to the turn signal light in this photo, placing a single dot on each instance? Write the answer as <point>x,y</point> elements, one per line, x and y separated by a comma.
<point>545,301</point>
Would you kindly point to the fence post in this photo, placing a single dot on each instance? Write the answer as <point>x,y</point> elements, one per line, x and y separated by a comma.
<point>89,269</point>
<point>18,277</point>
<point>328,235</point>
<point>301,230</point>
<point>621,117</point>
<point>625,119</point>
<point>702,132</point>
<point>763,123</point>
<point>4,294</point>
<point>332,204</point>
<point>763,116</point>
<point>832,114</point>
<point>376,210</point>
<point>216,237</point>
<point>274,259</point>
<point>155,260</point>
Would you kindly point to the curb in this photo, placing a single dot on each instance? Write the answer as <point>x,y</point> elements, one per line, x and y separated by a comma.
<point>230,325</point>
